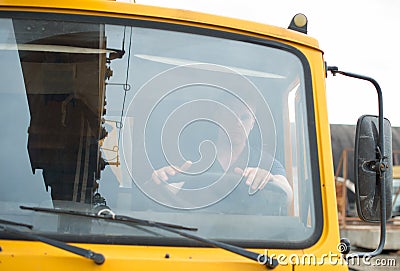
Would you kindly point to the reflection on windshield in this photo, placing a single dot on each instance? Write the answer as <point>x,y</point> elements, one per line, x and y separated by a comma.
<point>167,126</point>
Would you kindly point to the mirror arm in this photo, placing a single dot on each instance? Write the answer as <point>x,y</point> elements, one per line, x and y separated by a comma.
<point>380,164</point>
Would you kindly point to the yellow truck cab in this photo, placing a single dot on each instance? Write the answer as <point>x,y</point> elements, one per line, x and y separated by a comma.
<point>144,138</point>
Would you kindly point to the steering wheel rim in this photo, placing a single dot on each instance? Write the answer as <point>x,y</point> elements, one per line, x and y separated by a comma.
<point>271,200</point>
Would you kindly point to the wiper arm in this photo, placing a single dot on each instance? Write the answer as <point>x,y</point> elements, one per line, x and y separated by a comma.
<point>96,257</point>
<point>109,216</point>
<point>270,263</point>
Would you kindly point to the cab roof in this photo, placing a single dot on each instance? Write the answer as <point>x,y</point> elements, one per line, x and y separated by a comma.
<point>178,16</point>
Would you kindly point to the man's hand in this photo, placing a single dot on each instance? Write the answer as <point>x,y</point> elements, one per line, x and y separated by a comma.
<point>161,175</point>
<point>257,177</point>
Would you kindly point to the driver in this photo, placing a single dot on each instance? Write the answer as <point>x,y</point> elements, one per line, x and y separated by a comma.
<point>234,154</point>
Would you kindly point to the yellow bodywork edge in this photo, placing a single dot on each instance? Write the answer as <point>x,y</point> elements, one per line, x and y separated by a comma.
<point>177,16</point>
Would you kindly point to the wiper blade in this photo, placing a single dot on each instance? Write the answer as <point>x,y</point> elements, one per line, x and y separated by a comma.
<point>109,216</point>
<point>270,263</point>
<point>16,224</point>
<point>96,257</point>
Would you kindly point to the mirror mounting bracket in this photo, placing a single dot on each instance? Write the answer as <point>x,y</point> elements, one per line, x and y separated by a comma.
<point>379,165</point>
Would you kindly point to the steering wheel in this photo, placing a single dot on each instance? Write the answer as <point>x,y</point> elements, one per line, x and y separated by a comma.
<point>238,199</point>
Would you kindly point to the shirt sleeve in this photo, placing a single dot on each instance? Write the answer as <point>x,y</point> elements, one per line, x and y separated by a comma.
<point>266,161</point>
<point>277,168</point>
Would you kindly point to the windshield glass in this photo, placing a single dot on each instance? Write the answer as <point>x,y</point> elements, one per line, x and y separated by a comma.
<point>177,127</point>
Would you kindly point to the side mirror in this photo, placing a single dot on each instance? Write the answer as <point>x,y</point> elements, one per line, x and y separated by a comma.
<point>373,167</point>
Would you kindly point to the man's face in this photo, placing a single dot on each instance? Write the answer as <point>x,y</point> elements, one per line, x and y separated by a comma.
<point>238,120</point>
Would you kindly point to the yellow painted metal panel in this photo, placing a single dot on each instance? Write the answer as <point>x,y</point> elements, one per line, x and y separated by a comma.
<point>24,255</point>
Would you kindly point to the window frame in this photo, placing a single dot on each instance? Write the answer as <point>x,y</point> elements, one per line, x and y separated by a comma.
<point>203,30</point>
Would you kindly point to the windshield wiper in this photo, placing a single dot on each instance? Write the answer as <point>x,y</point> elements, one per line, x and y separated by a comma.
<point>96,257</point>
<point>270,263</point>
<point>16,224</point>
<point>107,214</point>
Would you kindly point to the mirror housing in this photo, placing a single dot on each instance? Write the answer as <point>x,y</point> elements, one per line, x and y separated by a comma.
<point>373,167</point>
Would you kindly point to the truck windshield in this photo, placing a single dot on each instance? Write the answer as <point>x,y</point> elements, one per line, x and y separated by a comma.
<point>198,128</point>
